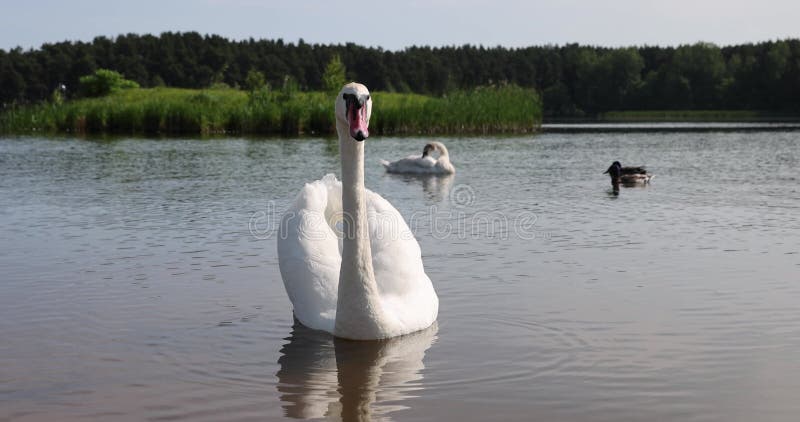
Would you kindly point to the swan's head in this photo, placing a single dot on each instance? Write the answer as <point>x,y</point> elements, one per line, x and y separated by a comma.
<point>434,146</point>
<point>353,109</point>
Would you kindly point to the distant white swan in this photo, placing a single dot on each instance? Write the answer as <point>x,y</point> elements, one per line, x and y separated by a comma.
<point>423,164</point>
<point>349,262</point>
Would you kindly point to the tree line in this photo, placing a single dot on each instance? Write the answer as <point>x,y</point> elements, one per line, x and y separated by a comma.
<point>574,80</point>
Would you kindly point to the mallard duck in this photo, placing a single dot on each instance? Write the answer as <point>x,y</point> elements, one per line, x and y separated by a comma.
<point>627,175</point>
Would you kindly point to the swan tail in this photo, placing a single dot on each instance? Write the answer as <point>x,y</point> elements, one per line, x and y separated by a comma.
<point>385,163</point>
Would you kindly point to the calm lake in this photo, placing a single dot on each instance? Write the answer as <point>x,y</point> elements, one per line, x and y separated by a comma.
<point>139,281</point>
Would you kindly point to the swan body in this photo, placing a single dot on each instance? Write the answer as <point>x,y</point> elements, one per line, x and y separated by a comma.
<point>349,262</point>
<point>423,164</point>
<point>627,175</point>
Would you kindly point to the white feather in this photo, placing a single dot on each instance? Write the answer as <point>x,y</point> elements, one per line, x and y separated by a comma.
<point>309,251</point>
<point>418,164</point>
<point>368,284</point>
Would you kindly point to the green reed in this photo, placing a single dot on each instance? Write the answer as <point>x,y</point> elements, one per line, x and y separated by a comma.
<point>504,109</point>
<point>219,111</point>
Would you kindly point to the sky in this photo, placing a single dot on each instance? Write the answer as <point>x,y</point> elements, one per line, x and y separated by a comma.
<point>394,25</point>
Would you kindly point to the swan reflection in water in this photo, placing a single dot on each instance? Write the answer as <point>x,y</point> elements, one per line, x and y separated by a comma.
<point>436,186</point>
<point>321,376</point>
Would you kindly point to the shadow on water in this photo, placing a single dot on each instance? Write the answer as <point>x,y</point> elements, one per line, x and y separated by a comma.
<point>323,376</point>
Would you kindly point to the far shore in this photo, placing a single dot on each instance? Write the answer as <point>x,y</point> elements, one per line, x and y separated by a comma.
<point>680,116</point>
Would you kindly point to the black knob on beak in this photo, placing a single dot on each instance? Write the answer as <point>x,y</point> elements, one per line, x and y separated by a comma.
<point>360,136</point>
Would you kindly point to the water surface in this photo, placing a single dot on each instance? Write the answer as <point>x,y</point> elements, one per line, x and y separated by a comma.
<point>139,281</point>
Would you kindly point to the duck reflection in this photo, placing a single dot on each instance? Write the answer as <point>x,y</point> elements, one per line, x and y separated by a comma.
<point>614,187</point>
<point>616,184</point>
<point>321,376</point>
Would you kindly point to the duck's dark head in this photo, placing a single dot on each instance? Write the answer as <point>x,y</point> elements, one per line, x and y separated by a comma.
<point>614,171</point>
<point>615,167</point>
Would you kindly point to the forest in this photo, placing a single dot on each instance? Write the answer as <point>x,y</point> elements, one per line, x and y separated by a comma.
<point>573,80</point>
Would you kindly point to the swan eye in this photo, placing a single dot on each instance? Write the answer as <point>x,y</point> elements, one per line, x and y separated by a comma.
<point>367,97</point>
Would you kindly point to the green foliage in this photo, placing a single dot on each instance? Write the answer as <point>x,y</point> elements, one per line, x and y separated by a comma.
<point>575,80</point>
<point>289,89</point>
<point>158,81</point>
<point>334,76</point>
<point>289,111</point>
<point>703,67</point>
<point>262,96</point>
<point>492,109</point>
<point>104,82</point>
<point>255,80</point>
<point>57,97</point>
<point>219,85</point>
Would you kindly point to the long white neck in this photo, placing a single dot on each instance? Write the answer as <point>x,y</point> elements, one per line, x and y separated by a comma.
<point>444,158</point>
<point>359,314</point>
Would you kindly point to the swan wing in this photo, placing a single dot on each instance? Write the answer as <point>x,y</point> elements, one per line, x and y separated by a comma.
<point>406,292</point>
<point>309,252</point>
<point>309,256</point>
<point>410,164</point>
<point>443,166</point>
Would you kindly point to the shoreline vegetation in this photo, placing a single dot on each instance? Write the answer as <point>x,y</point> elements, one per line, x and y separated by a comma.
<point>263,111</point>
<point>574,81</point>
<point>272,88</point>
<point>228,111</point>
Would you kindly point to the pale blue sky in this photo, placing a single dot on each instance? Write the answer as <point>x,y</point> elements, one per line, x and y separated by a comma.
<point>398,24</point>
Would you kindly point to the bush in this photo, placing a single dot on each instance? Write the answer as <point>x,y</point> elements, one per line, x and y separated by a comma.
<point>103,82</point>
<point>255,80</point>
<point>334,76</point>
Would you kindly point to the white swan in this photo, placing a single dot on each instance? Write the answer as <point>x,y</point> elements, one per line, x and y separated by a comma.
<point>349,262</point>
<point>423,164</point>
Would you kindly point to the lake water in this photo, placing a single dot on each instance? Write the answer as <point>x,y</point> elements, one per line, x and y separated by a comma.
<point>139,281</point>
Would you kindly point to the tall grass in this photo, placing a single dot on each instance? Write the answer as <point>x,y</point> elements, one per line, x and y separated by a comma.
<point>501,109</point>
<point>184,111</point>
